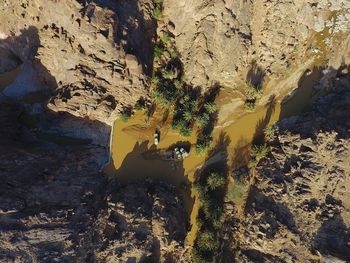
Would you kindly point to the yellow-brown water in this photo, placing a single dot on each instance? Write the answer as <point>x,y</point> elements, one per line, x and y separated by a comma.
<point>131,140</point>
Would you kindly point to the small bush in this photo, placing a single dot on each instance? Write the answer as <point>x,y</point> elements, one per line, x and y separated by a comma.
<point>166,92</point>
<point>259,151</point>
<point>157,12</point>
<point>200,149</point>
<point>269,132</point>
<point>172,53</point>
<point>158,52</point>
<point>203,120</point>
<point>186,131</point>
<point>210,107</point>
<point>250,105</point>
<point>206,241</point>
<point>215,181</point>
<point>188,116</point>
<point>203,142</point>
<point>168,74</point>
<point>166,39</point>
<point>124,116</point>
<point>140,104</point>
<point>253,91</point>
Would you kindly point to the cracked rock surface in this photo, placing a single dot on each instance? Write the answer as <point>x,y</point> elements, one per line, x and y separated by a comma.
<point>298,209</point>
<point>94,58</point>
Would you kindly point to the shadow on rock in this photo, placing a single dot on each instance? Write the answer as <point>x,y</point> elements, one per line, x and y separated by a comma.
<point>255,75</point>
<point>333,238</point>
<point>133,29</point>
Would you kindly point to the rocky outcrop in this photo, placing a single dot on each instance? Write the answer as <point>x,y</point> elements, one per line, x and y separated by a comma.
<point>219,41</point>
<point>95,58</point>
<point>145,222</point>
<point>298,208</point>
<point>212,37</point>
<point>55,206</point>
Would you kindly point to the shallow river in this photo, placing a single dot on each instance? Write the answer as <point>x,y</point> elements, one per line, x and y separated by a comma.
<point>132,141</point>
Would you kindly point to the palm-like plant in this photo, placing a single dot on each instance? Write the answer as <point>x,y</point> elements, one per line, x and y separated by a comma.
<point>215,181</point>
<point>203,120</point>
<point>210,107</point>
<point>188,116</point>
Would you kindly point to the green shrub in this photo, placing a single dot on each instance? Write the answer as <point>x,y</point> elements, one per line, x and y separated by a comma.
<point>124,116</point>
<point>186,131</point>
<point>188,116</point>
<point>173,54</point>
<point>158,52</point>
<point>218,222</point>
<point>253,91</point>
<point>215,181</point>
<point>210,107</point>
<point>168,74</point>
<point>200,149</point>
<point>157,12</point>
<point>206,241</point>
<point>250,105</point>
<point>269,132</point>
<point>203,120</point>
<point>140,104</point>
<point>259,151</point>
<point>166,92</point>
<point>201,256</point>
<point>165,39</point>
<point>194,104</point>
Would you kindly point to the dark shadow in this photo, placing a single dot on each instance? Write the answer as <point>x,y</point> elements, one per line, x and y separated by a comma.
<point>181,144</point>
<point>204,135</point>
<point>259,137</point>
<point>329,103</point>
<point>147,163</point>
<point>165,115</point>
<point>211,184</point>
<point>41,179</point>
<point>25,47</point>
<point>255,75</point>
<point>131,29</point>
<point>212,92</point>
<point>333,238</point>
<point>241,154</point>
<point>267,204</point>
<point>131,260</point>
<point>300,99</point>
<point>256,256</point>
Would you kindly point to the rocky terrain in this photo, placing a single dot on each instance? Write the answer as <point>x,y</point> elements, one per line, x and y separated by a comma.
<point>298,209</point>
<point>84,62</point>
<point>219,41</point>
<point>89,56</point>
<point>55,206</point>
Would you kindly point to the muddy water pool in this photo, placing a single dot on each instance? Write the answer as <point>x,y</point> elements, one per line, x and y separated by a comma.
<point>133,141</point>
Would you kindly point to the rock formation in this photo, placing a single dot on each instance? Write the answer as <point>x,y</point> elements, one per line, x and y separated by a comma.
<point>55,206</point>
<point>95,58</point>
<point>219,40</point>
<point>298,208</point>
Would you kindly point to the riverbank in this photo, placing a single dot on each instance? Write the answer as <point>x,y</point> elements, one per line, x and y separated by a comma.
<point>131,140</point>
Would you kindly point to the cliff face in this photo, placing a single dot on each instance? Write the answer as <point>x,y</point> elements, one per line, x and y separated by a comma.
<point>298,208</point>
<point>94,58</point>
<point>212,37</point>
<point>220,40</point>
